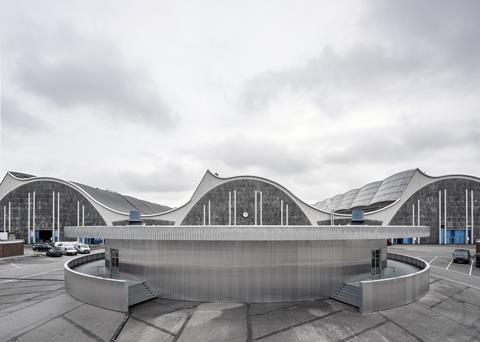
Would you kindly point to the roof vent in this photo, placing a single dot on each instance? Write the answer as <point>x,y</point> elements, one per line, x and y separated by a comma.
<point>357,216</point>
<point>134,217</point>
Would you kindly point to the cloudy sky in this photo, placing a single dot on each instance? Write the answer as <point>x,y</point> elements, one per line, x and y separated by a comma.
<point>322,96</point>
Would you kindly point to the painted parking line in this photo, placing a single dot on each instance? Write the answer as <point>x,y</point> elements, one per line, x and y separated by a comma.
<point>449,264</point>
<point>471,267</point>
<point>432,260</point>
<point>14,265</point>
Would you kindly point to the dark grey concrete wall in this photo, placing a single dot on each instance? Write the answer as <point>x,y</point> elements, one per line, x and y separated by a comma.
<point>428,197</point>
<point>43,208</point>
<point>245,188</point>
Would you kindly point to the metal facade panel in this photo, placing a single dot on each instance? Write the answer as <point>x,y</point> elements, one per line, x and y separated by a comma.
<point>248,233</point>
<point>244,271</point>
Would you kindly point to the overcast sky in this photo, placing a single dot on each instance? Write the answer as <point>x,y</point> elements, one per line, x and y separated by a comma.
<point>321,96</point>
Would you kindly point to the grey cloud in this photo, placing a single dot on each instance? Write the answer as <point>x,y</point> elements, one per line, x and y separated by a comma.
<point>170,178</point>
<point>14,119</point>
<point>243,153</point>
<point>410,47</point>
<point>74,71</point>
<point>398,143</point>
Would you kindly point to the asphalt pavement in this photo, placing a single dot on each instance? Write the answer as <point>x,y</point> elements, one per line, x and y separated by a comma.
<point>35,307</point>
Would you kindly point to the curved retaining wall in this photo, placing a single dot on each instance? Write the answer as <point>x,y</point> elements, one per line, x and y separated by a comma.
<point>103,292</point>
<point>389,293</point>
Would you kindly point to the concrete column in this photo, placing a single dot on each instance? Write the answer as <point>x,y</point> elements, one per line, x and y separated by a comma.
<point>9,216</point>
<point>28,220</point>
<point>440,217</point>
<point>261,208</point>
<point>78,213</point>
<point>445,213</point>
<point>4,219</point>
<point>418,218</point>
<point>281,212</point>
<point>83,215</point>
<point>413,214</point>
<point>209,211</point>
<point>229,208</point>
<point>466,216</point>
<point>471,220</point>
<point>204,215</point>
<point>234,207</point>
<point>34,214</point>
<point>58,216</point>
<point>53,216</point>
<point>255,211</point>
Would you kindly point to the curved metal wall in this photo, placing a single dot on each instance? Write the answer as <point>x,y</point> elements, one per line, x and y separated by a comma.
<point>244,271</point>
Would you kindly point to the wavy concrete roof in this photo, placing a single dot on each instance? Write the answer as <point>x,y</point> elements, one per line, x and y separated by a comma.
<point>375,194</point>
<point>111,199</point>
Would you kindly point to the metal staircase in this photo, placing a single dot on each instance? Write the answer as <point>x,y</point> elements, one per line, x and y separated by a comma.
<point>349,294</point>
<point>139,292</point>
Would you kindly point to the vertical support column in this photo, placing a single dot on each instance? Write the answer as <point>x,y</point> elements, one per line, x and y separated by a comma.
<point>209,211</point>
<point>28,220</point>
<point>33,220</point>
<point>413,220</point>
<point>471,215</point>
<point>466,216</point>
<point>234,207</point>
<point>255,211</point>
<point>4,219</point>
<point>78,213</point>
<point>440,217</point>
<point>204,215</point>
<point>281,212</point>
<point>413,214</point>
<point>261,208</point>
<point>286,216</point>
<point>83,215</point>
<point>445,217</point>
<point>229,208</point>
<point>418,219</point>
<point>53,216</point>
<point>9,216</point>
<point>58,216</point>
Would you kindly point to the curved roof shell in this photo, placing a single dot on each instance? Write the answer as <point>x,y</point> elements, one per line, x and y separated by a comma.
<point>373,195</point>
<point>110,200</point>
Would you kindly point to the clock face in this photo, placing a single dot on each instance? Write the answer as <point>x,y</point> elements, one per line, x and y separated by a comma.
<point>245,214</point>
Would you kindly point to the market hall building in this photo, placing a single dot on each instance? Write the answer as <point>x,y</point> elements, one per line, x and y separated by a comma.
<point>248,239</point>
<point>35,208</point>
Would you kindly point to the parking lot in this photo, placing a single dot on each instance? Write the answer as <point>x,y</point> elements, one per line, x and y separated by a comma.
<point>35,307</point>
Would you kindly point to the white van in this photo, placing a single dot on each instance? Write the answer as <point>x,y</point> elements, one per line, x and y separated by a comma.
<point>65,243</point>
<point>81,248</point>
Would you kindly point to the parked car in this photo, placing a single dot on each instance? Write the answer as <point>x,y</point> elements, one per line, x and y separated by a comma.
<point>68,250</point>
<point>54,252</point>
<point>41,247</point>
<point>82,248</point>
<point>477,260</point>
<point>461,256</point>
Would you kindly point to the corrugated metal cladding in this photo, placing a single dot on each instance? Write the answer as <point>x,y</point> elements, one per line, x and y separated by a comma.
<point>247,233</point>
<point>244,271</point>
